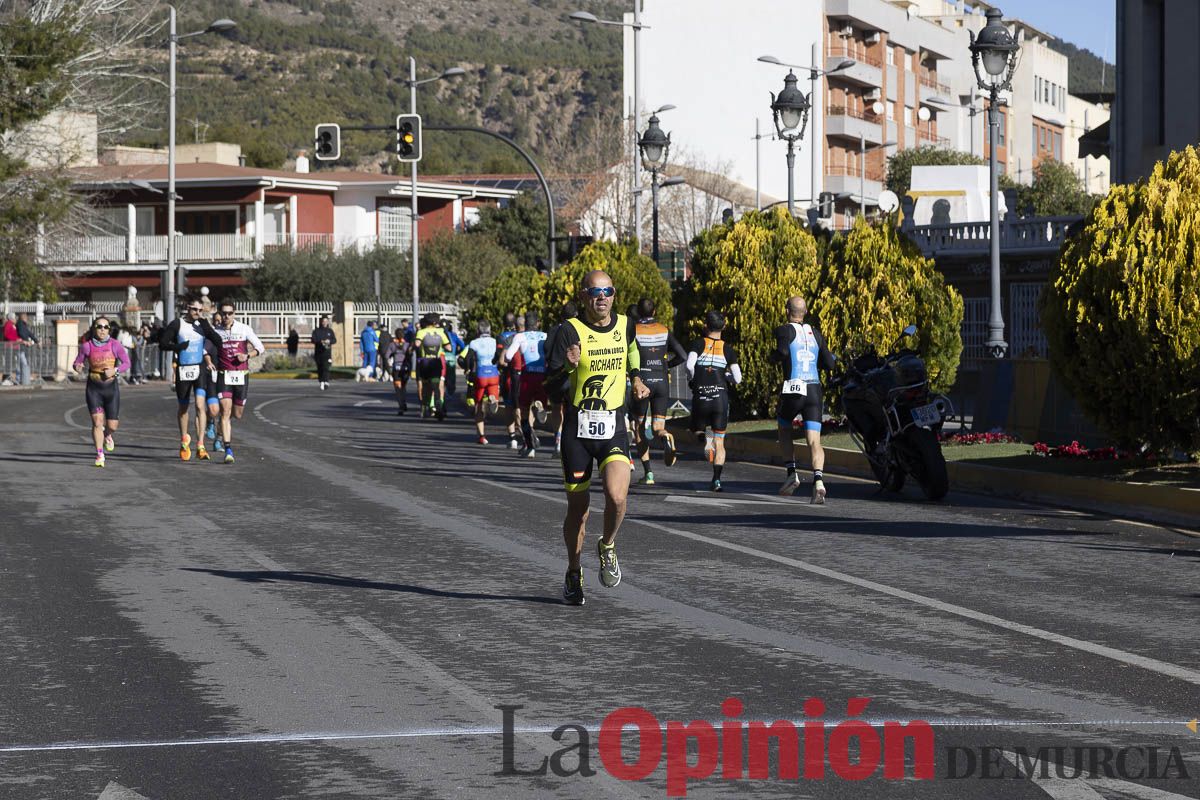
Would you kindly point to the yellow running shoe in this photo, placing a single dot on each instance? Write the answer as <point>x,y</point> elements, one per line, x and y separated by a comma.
<point>185,448</point>
<point>99,459</point>
<point>201,453</point>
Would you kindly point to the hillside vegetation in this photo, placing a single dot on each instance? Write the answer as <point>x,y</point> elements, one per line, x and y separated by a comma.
<point>532,74</point>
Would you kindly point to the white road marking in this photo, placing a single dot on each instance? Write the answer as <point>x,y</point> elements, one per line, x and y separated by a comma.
<point>727,499</point>
<point>1152,664</point>
<point>115,791</point>
<point>69,417</point>
<point>362,403</point>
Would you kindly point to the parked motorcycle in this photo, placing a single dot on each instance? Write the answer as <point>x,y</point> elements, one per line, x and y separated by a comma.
<point>895,419</point>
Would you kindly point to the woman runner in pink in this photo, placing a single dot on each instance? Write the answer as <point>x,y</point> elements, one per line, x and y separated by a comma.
<point>105,357</point>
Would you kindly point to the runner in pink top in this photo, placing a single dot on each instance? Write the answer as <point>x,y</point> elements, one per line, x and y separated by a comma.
<point>104,357</point>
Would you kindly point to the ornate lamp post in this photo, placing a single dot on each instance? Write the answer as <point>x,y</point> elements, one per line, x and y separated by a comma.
<point>654,145</point>
<point>790,109</point>
<point>998,52</point>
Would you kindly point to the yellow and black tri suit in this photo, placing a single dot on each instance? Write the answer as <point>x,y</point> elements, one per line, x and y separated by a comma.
<point>608,357</point>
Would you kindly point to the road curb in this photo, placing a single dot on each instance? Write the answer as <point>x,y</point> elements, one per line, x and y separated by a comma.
<point>1160,504</point>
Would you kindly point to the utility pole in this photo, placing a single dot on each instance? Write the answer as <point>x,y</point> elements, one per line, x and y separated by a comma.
<point>412,109</point>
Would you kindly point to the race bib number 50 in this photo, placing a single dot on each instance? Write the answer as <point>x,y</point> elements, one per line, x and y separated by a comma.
<point>798,386</point>
<point>235,378</point>
<point>597,424</point>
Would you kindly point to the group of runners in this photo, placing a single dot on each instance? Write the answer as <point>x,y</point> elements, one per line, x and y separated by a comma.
<point>598,378</point>
<point>211,372</point>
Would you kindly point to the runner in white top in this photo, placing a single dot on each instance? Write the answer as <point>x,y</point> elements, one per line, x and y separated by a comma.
<point>239,344</point>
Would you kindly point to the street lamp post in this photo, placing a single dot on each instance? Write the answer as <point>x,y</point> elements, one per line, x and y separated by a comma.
<point>790,110</point>
<point>220,26</point>
<point>999,53</point>
<point>654,146</point>
<point>414,247</point>
<point>814,73</point>
<point>637,26</point>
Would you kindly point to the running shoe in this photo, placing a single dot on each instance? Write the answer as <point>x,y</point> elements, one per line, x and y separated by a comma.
<point>669,454</point>
<point>610,570</point>
<point>573,588</point>
<point>109,444</point>
<point>818,495</point>
<point>218,445</point>
<point>185,448</point>
<point>228,455</point>
<point>99,459</point>
<point>211,431</point>
<point>710,451</point>
<point>491,405</point>
<point>557,443</point>
<point>647,479</point>
<point>715,486</point>
<point>483,440</point>
<point>531,452</point>
<point>202,454</point>
<point>790,485</point>
<point>540,413</point>
<point>513,444</point>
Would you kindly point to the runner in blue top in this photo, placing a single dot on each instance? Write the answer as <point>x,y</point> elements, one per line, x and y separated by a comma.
<point>457,345</point>
<point>801,349</point>
<point>478,360</point>
<point>531,344</point>
<point>185,337</point>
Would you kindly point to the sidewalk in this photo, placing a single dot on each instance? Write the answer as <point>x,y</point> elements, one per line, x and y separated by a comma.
<point>1166,505</point>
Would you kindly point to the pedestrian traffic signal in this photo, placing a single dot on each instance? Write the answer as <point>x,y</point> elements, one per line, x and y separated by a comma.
<point>408,137</point>
<point>327,142</point>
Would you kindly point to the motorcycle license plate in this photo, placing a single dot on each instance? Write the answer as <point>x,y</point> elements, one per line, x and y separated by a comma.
<point>235,378</point>
<point>926,415</point>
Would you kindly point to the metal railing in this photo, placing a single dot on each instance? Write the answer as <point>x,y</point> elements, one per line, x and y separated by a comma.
<point>846,170</point>
<point>858,54</point>
<point>930,136</point>
<point>212,247</point>
<point>1039,233</point>
<point>846,111</point>
<point>930,80</point>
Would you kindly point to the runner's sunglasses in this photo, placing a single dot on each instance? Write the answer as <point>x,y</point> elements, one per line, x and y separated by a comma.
<point>600,291</point>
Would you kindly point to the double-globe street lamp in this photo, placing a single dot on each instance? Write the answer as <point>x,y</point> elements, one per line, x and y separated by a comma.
<point>637,27</point>
<point>999,53</point>
<point>219,26</point>
<point>655,146</point>
<point>813,74</point>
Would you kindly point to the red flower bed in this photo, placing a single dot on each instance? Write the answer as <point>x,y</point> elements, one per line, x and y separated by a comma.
<point>1076,450</point>
<point>979,438</point>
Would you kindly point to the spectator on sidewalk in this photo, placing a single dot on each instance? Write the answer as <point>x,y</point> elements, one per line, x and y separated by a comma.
<point>127,340</point>
<point>293,343</point>
<point>11,343</point>
<point>369,342</point>
<point>29,340</point>
<point>323,340</point>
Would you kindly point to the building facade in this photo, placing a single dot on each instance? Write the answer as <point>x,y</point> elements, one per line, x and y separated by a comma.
<point>227,218</point>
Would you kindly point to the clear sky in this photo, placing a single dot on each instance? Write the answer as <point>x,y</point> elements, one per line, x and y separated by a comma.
<point>1090,24</point>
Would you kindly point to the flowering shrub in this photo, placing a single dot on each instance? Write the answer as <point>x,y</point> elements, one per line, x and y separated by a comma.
<point>991,437</point>
<point>1076,450</point>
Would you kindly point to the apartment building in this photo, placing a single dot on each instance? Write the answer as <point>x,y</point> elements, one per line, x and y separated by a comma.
<point>1086,115</point>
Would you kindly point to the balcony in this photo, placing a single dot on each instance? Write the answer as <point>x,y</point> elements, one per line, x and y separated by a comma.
<point>847,180</point>
<point>229,250</point>
<point>929,81</point>
<point>841,121</point>
<point>930,138</point>
<point>867,71</point>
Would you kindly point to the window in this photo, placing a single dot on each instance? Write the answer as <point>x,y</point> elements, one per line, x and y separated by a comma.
<point>1003,128</point>
<point>1045,91</point>
<point>891,110</point>
<point>1054,94</point>
<point>1057,146</point>
<point>1037,88</point>
<point>908,116</point>
<point>395,226</point>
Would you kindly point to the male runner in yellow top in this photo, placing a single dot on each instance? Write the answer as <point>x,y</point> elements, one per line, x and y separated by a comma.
<point>595,353</point>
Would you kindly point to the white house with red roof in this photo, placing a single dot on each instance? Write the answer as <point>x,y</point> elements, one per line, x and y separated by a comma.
<point>228,216</point>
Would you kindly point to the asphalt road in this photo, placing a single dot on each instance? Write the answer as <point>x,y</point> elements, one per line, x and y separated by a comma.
<point>340,613</point>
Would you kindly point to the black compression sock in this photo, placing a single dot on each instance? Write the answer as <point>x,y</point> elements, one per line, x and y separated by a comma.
<point>791,467</point>
<point>717,471</point>
<point>527,432</point>
<point>818,475</point>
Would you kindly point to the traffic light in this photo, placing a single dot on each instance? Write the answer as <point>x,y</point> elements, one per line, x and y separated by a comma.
<point>327,142</point>
<point>826,199</point>
<point>408,137</point>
